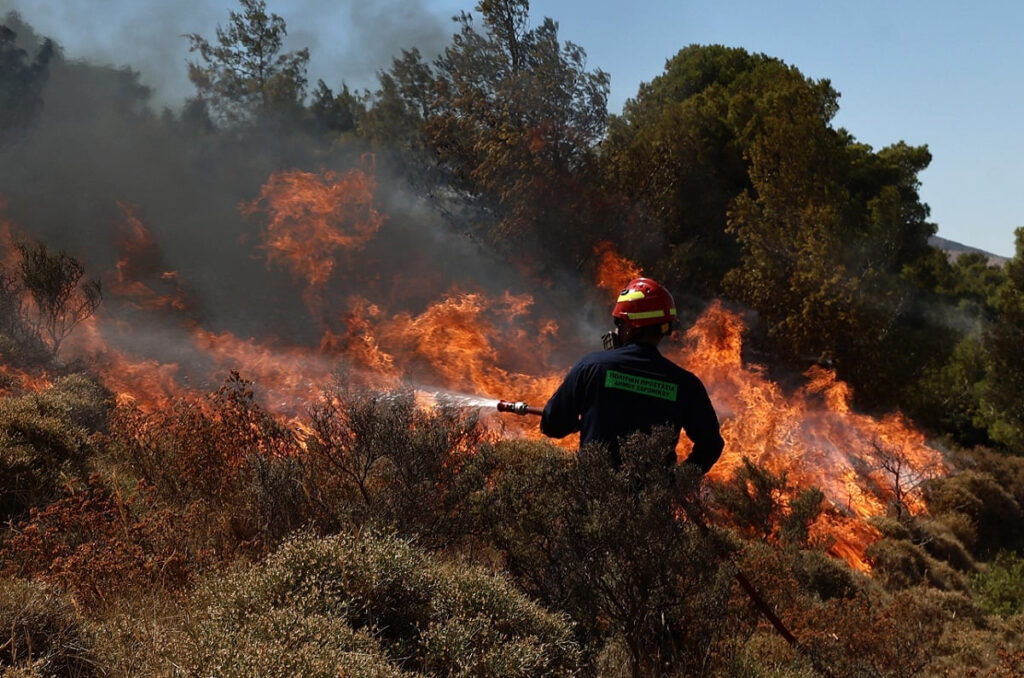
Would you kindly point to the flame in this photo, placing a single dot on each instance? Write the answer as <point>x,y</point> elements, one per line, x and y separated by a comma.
<point>311,217</point>
<point>613,270</point>
<point>8,254</point>
<point>14,381</point>
<point>812,435</point>
<point>469,341</point>
<point>140,259</point>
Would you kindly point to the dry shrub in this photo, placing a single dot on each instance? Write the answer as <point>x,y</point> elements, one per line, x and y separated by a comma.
<point>869,636</point>
<point>913,632</point>
<point>377,458</point>
<point>825,577</point>
<point>364,606</point>
<point>606,546</point>
<point>934,536</point>
<point>1006,469</point>
<point>995,513</point>
<point>225,453</point>
<point>903,564</point>
<point>198,448</point>
<point>41,633</point>
<point>99,546</point>
<point>46,442</point>
<point>962,527</point>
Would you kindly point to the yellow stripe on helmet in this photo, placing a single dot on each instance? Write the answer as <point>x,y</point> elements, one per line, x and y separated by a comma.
<point>643,315</point>
<point>632,295</point>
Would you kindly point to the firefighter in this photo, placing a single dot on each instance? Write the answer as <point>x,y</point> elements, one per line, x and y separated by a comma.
<point>631,387</point>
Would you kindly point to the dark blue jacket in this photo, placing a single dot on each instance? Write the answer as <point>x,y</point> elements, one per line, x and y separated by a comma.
<point>610,394</point>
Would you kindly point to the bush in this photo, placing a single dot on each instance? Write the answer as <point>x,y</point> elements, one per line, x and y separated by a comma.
<point>46,440</point>
<point>935,536</point>
<point>823,576</point>
<point>868,636</point>
<point>223,452</point>
<point>370,605</point>
<point>60,298</point>
<point>381,459</point>
<point>41,633</point>
<point>606,546</point>
<point>902,564</point>
<point>754,500</point>
<point>999,588</point>
<point>99,546</point>
<point>995,514</point>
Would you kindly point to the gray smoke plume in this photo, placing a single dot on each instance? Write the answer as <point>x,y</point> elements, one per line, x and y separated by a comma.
<point>349,40</point>
<point>100,142</point>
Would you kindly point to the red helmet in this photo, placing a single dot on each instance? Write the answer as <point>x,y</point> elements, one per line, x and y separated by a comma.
<point>644,302</point>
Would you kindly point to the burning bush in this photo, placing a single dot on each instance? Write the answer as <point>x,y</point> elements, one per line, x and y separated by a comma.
<point>224,452</point>
<point>44,297</point>
<point>755,501</point>
<point>369,605</point>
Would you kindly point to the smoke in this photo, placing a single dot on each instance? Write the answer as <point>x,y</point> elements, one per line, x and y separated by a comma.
<point>349,40</point>
<point>99,147</point>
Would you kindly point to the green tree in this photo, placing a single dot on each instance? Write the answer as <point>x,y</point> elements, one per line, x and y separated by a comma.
<point>1003,387</point>
<point>509,117</point>
<point>827,228</point>
<point>675,160</point>
<point>22,79</point>
<point>335,113</point>
<point>732,179</point>
<point>243,76</point>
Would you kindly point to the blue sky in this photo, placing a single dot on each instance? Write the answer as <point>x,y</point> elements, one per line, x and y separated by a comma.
<point>938,72</point>
<point>949,74</point>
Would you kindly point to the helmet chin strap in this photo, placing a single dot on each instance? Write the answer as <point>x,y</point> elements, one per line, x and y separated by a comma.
<point>629,334</point>
<point>626,332</point>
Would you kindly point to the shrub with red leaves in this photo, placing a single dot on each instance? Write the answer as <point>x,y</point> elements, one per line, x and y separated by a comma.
<point>98,545</point>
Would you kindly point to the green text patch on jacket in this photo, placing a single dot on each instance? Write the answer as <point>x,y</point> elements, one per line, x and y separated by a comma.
<point>642,385</point>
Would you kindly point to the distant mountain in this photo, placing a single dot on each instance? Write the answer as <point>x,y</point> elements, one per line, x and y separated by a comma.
<point>954,249</point>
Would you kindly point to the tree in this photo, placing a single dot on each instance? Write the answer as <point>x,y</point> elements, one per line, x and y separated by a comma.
<point>1003,387</point>
<point>509,118</point>
<point>675,161</point>
<point>244,77</point>
<point>58,299</point>
<point>21,81</point>
<point>335,113</point>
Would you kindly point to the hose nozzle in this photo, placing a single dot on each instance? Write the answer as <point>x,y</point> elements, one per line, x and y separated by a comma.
<point>518,407</point>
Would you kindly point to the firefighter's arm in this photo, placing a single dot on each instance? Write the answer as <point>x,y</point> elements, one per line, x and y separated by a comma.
<point>561,415</point>
<point>701,426</point>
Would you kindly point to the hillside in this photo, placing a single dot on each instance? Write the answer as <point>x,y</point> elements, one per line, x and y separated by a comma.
<point>954,249</point>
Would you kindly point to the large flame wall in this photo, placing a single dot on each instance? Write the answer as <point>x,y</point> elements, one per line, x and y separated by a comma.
<point>446,332</point>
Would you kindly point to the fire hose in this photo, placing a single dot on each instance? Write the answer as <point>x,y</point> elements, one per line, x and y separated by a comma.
<point>522,409</point>
<point>518,407</point>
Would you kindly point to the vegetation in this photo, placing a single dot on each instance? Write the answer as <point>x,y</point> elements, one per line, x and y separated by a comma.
<point>209,537</point>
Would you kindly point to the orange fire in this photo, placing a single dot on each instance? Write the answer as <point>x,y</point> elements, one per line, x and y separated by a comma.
<point>490,345</point>
<point>140,260</point>
<point>613,270</point>
<point>312,216</point>
<point>812,435</point>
